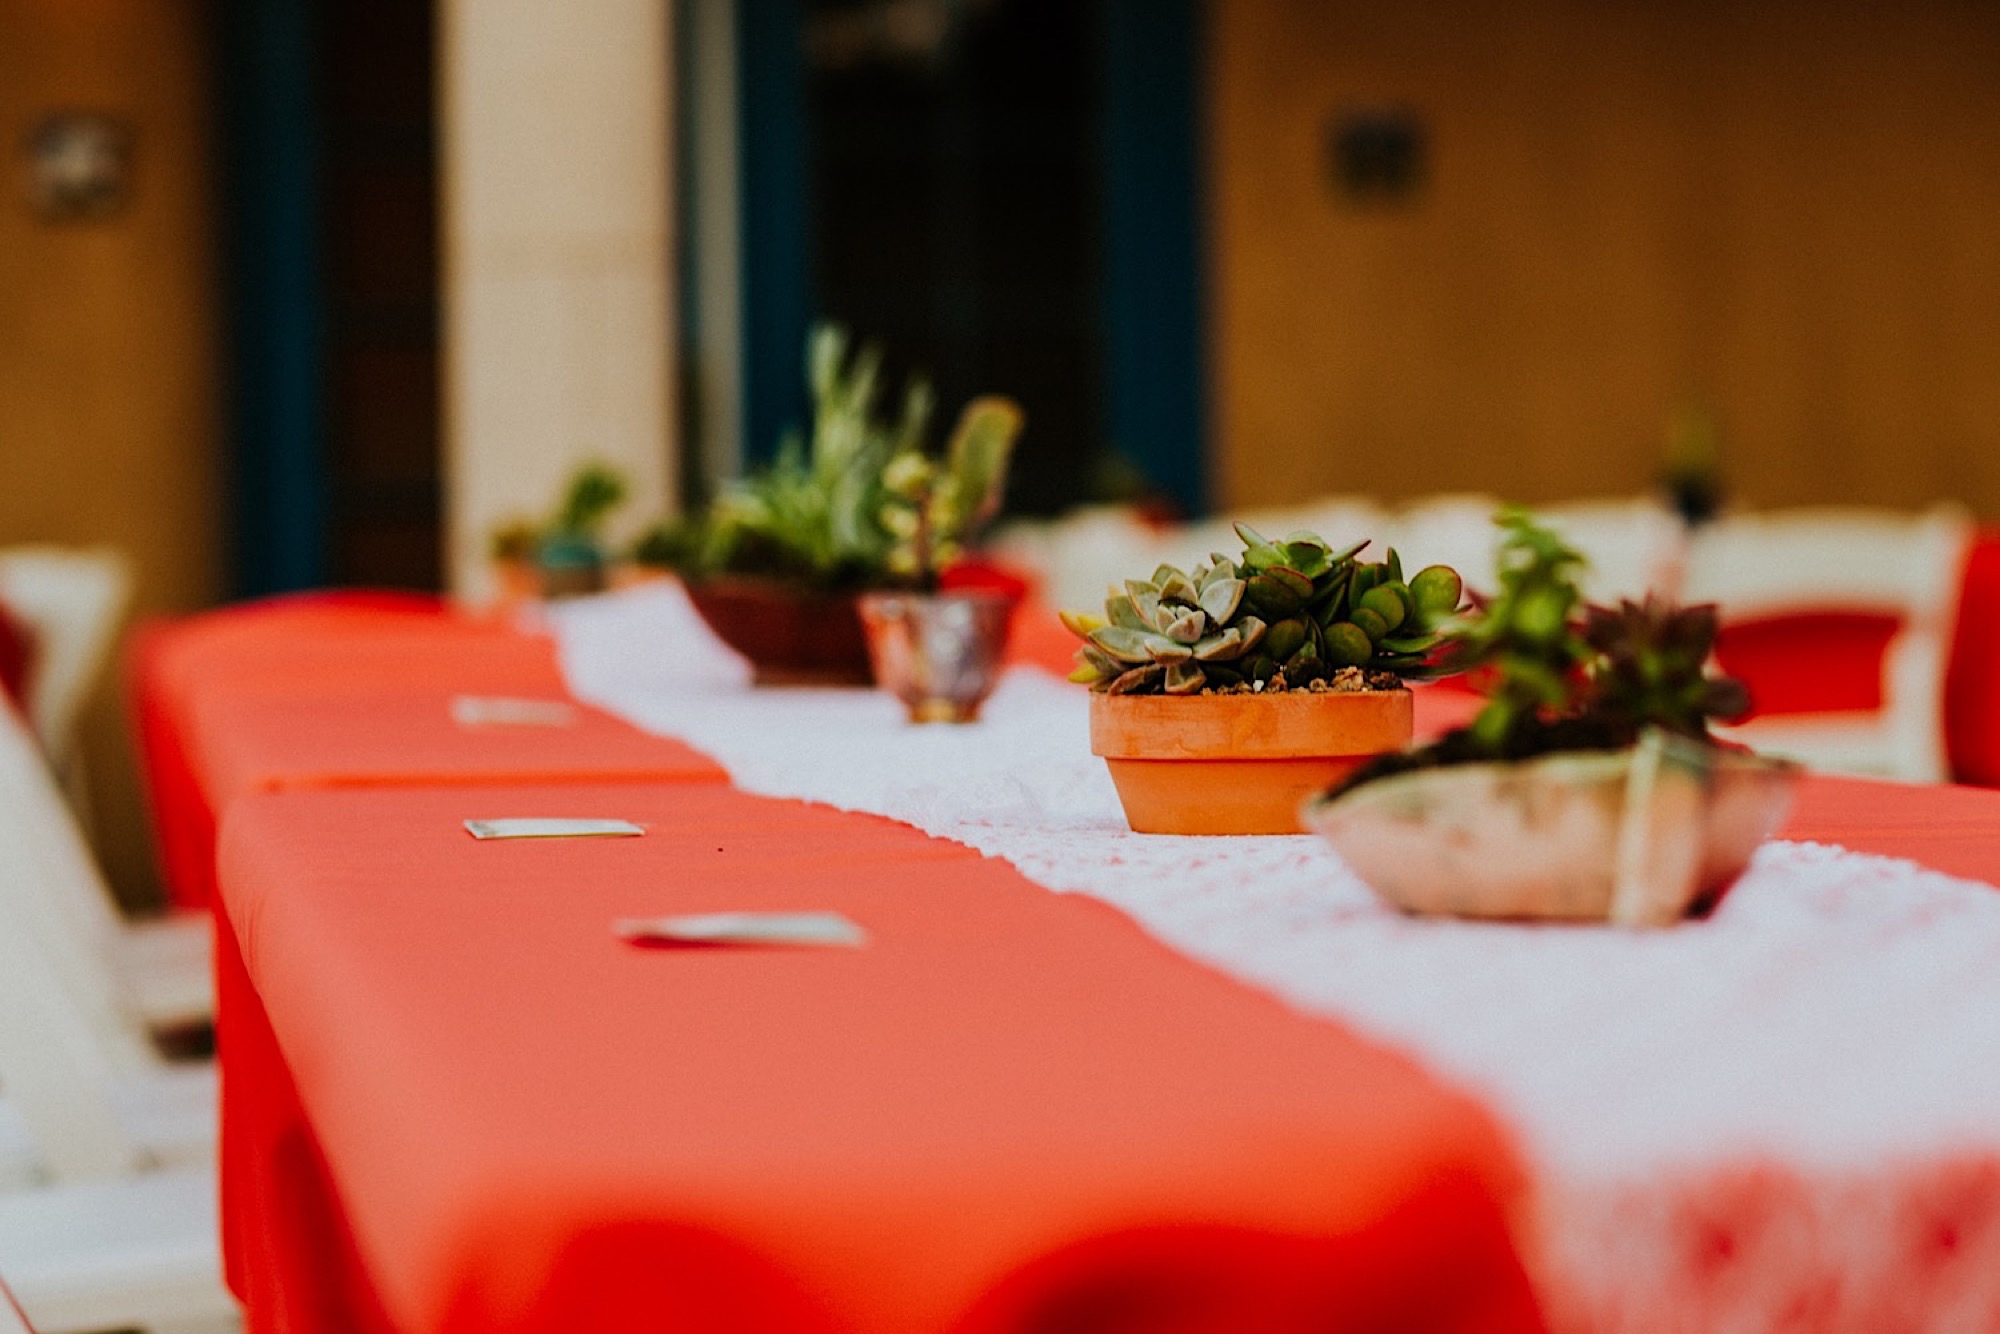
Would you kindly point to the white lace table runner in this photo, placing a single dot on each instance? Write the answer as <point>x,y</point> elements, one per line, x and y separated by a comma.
<point>1787,1117</point>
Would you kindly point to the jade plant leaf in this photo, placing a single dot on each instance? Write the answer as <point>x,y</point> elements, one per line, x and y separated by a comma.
<point>1307,554</point>
<point>1437,590</point>
<point>1347,645</point>
<point>1386,601</point>
<point>1277,592</point>
<point>1284,638</point>
<point>1258,550</point>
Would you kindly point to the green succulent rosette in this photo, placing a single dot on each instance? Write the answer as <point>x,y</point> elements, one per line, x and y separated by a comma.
<point>1283,615</point>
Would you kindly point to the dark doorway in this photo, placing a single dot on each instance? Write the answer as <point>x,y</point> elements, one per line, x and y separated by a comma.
<point>1006,193</point>
<point>953,172</point>
<point>329,180</point>
<point>380,274</point>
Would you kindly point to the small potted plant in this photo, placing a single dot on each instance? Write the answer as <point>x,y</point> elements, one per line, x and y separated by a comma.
<point>1225,695</point>
<point>564,555</point>
<point>1588,788</point>
<point>936,649</point>
<point>778,562</point>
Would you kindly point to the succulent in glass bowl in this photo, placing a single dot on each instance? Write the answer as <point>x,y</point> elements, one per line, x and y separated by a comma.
<point>1588,788</point>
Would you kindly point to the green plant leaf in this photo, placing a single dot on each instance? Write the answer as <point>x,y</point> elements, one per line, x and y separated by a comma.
<point>1183,678</point>
<point>1284,638</point>
<point>1220,646</point>
<point>1348,645</point>
<point>1259,553</point>
<point>1177,587</point>
<point>1131,646</point>
<point>1220,598</point>
<point>1389,602</point>
<point>1184,627</point>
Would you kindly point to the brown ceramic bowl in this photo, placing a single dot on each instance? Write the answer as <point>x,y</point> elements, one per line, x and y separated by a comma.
<point>791,635</point>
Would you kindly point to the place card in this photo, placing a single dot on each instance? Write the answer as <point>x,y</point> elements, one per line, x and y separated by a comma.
<point>819,929</point>
<point>548,828</point>
<point>506,711</point>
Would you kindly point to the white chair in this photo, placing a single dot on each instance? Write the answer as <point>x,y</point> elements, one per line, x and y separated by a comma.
<point>11,1319</point>
<point>1634,546</point>
<point>72,599</point>
<point>108,1207</point>
<point>159,969</point>
<point>53,906</point>
<point>1631,545</point>
<point>1081,554</point>
<point>118,1235</point>
<point>1455,529</point>
<point>1808,562</point>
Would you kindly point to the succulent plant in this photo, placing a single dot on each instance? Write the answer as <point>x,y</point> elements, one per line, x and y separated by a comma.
<point>1283,615</point>
<point>858,503</point>
<point>811,516</point>
<point>593,491</point>
<point>1559,675</point>
<point>1525,640</point>
<point>1650,667</point>
<point>933,507</point>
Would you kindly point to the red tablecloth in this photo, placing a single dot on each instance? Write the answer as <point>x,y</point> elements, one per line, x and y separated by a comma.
<point>1951,829</point>
<point>454,1101</point>
<point>341,689</point>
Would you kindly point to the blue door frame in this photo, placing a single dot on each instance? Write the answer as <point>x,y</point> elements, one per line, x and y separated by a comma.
<point>269,132</point>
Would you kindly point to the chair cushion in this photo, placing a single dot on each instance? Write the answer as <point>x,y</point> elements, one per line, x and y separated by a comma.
<point>1811,662</point>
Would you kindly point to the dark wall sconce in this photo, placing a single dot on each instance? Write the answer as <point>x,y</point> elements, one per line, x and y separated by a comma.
<point>79,165</point>
<point>1379,155</point>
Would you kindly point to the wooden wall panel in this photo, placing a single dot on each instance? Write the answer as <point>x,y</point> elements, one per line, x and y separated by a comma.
<point>1788,214</point>
<point>108,430</point>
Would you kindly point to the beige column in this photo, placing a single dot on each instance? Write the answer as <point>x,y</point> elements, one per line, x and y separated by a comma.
<point>557,290</point>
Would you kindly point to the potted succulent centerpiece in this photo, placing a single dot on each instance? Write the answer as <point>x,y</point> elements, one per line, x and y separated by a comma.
<point>564,555</point>
<point>777,562</point>
<point>1588,788</point>
<point>1225,695</point>
<point>936,649</point>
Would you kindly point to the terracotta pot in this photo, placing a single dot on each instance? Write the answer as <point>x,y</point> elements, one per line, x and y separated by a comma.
<point>559,570</point>
<point>1238,764</point>
<point>516,583</point>
<point>940,653</point>
<point>791,635</point>
<point>1644,836</point>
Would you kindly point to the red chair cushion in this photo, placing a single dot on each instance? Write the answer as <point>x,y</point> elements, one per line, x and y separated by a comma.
<point>1817,662</point>
<point>17,659</point>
